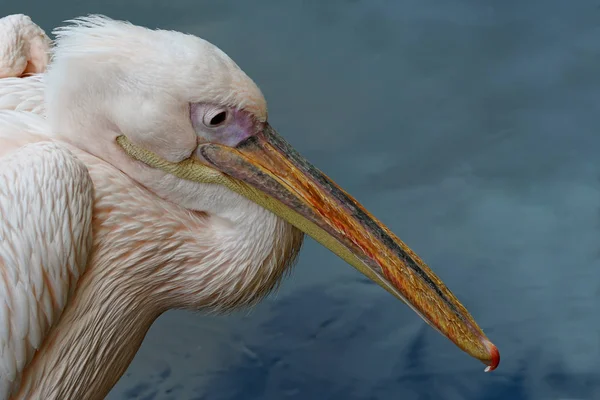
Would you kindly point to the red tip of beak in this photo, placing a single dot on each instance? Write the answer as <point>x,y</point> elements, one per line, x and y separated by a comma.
<point>495,356</point>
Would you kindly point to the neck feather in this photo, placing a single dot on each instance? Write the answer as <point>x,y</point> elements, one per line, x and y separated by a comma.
<point>149,256</point>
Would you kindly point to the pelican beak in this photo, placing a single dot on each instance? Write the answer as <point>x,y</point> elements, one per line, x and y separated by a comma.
<point>279,179</point>
<point>267,170</point>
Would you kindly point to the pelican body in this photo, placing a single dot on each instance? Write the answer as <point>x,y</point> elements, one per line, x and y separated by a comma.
<point>140,174</point>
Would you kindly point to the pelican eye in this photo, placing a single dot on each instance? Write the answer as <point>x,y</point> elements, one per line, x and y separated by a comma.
<point>214,118</point>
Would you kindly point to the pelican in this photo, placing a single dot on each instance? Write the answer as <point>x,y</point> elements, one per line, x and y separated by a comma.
<point>150,179</point>
<point>24,53</point>
<point>23,47</point>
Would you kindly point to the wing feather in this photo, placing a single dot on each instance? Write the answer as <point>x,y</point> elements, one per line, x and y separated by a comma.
<point>46,198</point>
<point>23,94</point>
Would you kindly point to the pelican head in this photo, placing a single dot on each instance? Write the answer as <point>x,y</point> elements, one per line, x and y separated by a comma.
<point>24,48</point>
<point>177,115</point>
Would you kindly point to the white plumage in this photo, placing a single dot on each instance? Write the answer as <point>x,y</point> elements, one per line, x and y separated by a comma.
<point>23,94</point>
<point>42,256</point>
<point>23,47</point>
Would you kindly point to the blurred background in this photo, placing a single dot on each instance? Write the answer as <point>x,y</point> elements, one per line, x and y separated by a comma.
<point>469,127</point>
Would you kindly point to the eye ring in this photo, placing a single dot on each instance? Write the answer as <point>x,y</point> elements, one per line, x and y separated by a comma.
<point>216,117</point>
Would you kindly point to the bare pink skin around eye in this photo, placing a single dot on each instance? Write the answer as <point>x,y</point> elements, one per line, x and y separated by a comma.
<point>238,126</point>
